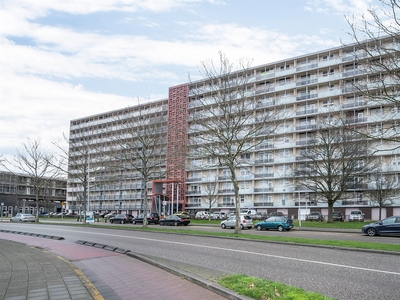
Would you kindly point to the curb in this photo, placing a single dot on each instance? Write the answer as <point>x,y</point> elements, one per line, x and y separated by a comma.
<point>52,237</point>
<point>204,283</point>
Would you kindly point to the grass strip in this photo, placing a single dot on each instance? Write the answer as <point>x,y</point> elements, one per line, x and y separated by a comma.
<point>262,289</point>
<point>243,235</point>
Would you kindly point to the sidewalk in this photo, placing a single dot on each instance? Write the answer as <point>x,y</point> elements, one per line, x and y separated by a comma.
<point>42,268</point>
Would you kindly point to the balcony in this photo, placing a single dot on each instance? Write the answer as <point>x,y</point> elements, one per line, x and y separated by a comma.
<point>264,161</point>
<point>264,175</point>
<point>354,104</point>
<point>306,96</point>
<point>356,120</point>
<point>258,204</point>
<point>307,112</point>
<point>306,126</point>
<point>306,81</point>
<point>261,190</point>
<point>225,191</point>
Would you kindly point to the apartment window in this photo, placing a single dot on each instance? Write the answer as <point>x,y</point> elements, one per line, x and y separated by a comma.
<point>244,171</point>
<point>376,128</point>
<point>264,170</point>
<point>325,73</point>
<point>245,156</point>
<point>227,200</point>
<point>327,103</point>
<point>396,161</point>
<point>211,160</point>
<point>244,185</point>
<point>376,111</point>
<point>265,198</point>
<point>284,152</point>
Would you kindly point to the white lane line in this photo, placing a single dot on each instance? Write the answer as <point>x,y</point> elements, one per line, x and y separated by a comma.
<point>246,252</point>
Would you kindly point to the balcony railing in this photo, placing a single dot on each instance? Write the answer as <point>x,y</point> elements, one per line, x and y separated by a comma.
<point>263,204</point>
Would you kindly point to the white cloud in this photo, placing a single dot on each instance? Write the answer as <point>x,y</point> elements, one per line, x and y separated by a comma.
<point>39,59</point>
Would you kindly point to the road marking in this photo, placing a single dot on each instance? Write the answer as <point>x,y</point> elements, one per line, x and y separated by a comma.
<point>245,252</point>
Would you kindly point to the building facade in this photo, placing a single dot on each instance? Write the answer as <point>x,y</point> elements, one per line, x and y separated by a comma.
<point>17,194</point>
<point>305,89</point>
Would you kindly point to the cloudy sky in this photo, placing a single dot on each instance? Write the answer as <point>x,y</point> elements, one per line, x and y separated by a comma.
<point>66,59</point>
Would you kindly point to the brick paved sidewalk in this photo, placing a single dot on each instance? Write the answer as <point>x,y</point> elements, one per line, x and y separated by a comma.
<point>30,273</point>
<point>69,270</point>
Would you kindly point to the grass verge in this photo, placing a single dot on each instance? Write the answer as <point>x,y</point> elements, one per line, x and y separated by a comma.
<point>282,238</point>
<point>261,289</point>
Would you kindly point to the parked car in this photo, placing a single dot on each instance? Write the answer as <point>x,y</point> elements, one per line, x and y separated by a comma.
<point>121,218</point>
<point>279,223</point>
<point>276,214</point>
<point>23,218</point>
<point>201,215</point>
<point>175,220</point>
<point>109,215</point>
<point>245,222</point>
<point>152,218</point>
<point>356,215</point>
<point>218,215</point>
<point>389,226</point>
<point>182,214</point>
<point>315,216</point>
<point>337,216</point>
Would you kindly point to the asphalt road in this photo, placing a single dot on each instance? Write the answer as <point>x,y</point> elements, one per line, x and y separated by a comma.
<point>336,273</point>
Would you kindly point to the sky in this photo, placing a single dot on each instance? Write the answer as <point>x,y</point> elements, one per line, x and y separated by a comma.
<point>66,59</point>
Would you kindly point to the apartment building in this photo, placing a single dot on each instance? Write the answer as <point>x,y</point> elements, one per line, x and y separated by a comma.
<point>306,89</point>
<point>17,194</point>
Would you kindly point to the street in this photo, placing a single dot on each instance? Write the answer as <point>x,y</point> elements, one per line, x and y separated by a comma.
<point>336,273</point>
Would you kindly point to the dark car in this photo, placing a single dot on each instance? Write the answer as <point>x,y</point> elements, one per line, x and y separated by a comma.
<point>175,220</point>
<point>121,218</point>
<point>276,214</point>
<point>279,223</point>
<point>315,216</point>
<point>337,216</point>
<point>389,226</point>
<point>152,218</point>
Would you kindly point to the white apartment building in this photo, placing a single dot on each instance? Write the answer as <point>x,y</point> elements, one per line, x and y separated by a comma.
<point>307,89</point>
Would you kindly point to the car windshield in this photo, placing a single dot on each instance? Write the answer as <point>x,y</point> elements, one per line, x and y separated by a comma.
<point>356,212</point>
<point>314,213</point>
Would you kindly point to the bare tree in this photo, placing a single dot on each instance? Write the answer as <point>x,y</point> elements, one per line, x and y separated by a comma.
<point>384,188</point>
<point>377,51</point>
<point>140,144</point>
<point>226,123</point>
<point>335,161</point>
<point>211,191</point>
<point>84,160</point>
<point>37,164</point>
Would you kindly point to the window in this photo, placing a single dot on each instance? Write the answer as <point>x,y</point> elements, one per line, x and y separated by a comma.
<point>376,111</point>
<point>211,160</point>
<point>244,171</point>
<point>227,200</point>
<point>327,103</point>
<point>245,156</point>
<point>245,185</point>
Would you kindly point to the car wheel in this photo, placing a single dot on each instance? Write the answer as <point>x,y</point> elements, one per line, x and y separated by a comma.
<point>371,231</point>
<point>223,226</point>
<point>122,222</point>
<point>280,228</point>
<point>111,221</point>
<point>133,222</point>
<point>241,226</point>
<point>175,223</point>
<point>258,227</point>
<point>19,220</point>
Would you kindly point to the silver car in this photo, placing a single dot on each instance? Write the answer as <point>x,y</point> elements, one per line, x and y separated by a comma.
<point>245,222</point>
<point>23,218</point>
